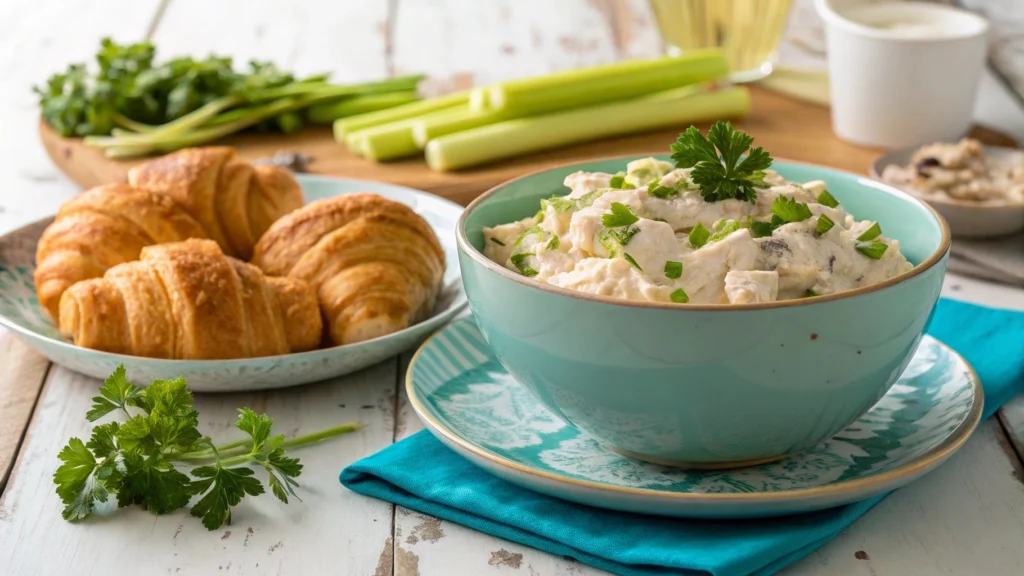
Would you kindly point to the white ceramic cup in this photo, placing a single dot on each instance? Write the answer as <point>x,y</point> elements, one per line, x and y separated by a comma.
<point>902,73</point>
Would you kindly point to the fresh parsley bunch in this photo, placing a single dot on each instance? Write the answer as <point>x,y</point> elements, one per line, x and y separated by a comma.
<point>136,460</point>
<point>720,174</point>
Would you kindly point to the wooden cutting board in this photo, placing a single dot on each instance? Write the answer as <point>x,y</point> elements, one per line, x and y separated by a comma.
<point>785,127</point>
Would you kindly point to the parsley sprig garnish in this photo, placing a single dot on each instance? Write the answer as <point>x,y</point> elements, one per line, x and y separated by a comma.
<point>719,173</point>
<point>138,460</point>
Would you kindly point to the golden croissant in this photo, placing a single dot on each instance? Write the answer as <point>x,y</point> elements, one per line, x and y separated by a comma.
<point>375,264</point>
<point>102,228</point>
<point>187,300</point>
<point>234,201</point>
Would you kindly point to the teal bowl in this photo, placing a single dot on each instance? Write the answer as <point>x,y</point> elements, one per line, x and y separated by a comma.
<point>707,386</point>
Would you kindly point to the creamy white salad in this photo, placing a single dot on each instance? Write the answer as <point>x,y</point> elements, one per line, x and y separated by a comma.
<point>648,234</point>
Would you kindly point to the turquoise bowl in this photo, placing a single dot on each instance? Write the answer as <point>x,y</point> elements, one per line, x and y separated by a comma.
<point>707,386</point>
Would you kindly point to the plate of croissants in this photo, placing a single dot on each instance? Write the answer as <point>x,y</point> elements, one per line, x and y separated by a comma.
<point>235,276</point>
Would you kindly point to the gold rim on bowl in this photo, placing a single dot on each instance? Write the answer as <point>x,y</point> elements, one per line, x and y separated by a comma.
<point>922,464</point>
<point>463,244</point>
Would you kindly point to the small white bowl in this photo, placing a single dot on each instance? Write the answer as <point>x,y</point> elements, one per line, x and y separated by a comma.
<point>966,219</point>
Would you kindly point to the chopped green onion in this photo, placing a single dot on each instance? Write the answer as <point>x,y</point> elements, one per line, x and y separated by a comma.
<point>620,215</point>
<point>658,191</point>
<point>618,182</point>
<point>631,261</point>
<point>811,292</point>
<point>589,198</point>
<point>553,243</point>
<point>661,220</point>
<point>559,203</point>
<point>496,241</point>
<point>679,296</point>
<point>673,270</point>
<point>873,250</point>
<point>519,261</point>
<point>871,233</point>
<point>824,224</point>
<point>699,235</point>
<point>723,228</point>
<point>826,199</point>
<point>761,229</point>
<point>531,230</point>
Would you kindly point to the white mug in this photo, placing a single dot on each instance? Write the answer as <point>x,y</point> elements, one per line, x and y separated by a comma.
<point>902,73</point>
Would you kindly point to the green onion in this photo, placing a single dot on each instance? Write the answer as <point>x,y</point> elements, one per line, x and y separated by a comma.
<point>496,241</point>
<point>871,233</point>
<point>654,188</point>
<point>524,135</point>
<point>699,235</point>
<point>723,228</point>
<point>330,111</point>
<point>618,181</point>
<point>586,86</point>
<point>761,229</point>
<point>811,292</point>
<point>519,261</point>
<point>826,199</point>
<point>631,261</point>
<point>344,126</point>
<point>559,203</point>
<point>873,250</point>
<point>673,270</point>
<point>553,243</point>
<point>679,296</point>
<point>824,224</point>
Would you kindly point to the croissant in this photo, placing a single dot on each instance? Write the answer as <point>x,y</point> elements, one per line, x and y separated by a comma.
<point>375,264</point>
<point>101,228</point>
<point>187,300</point>
<point>234,201</point>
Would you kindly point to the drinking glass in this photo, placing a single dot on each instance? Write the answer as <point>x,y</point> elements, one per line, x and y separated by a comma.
<point>748,31</point>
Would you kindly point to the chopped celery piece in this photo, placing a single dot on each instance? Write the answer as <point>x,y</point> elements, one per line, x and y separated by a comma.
<point>524,135</point>
<point>586,86</point>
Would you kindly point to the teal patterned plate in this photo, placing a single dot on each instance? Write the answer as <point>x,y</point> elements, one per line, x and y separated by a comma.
<point>20,311</point>
<point>469,402</point>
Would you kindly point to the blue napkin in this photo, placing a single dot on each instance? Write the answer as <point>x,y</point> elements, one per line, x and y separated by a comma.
<point>421,474</point>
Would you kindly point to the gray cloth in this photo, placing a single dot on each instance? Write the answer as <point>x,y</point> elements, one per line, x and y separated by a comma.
<point>1000,260</point>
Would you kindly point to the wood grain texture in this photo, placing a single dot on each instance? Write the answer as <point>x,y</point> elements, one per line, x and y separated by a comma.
<point>330,528</point>
<point>21,379</point>
<point>788,128</point>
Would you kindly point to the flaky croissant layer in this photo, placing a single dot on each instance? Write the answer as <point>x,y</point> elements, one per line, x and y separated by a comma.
<point>187,300</point>
<point>375,264</point>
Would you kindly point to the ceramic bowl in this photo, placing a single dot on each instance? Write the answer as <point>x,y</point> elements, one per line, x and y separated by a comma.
<point>21,313</point>
<point>966,219</point>
<point>706,386</point>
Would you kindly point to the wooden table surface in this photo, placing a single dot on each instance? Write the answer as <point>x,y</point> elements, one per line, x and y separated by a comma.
<point>965,518</point>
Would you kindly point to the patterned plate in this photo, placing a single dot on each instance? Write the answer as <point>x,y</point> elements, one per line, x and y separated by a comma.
<point>20,311</point>
<point>470,403</point>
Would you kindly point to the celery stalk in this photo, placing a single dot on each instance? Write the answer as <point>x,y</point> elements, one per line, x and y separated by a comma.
<point>328,112</point>
<point>586,86</point>
<point>427,128</point>
<point>532,134</point>
<point>387,142</point>
<point>344,126</point>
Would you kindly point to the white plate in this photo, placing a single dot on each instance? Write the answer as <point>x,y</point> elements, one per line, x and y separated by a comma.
<point>20,311</point>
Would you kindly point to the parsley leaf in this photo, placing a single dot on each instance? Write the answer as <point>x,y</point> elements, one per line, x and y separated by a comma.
<point>679,296</point>
<point>115,393</point>
<point>873,250</point>
<point>699,235</point>
<point>826,199</point>
<point>824,224</point>
<point>789,210</point>
<point>720,174</point>
<point>136,461</point>
<point>673,270</point>
<point>620,215</point>
<point>629,259</point>
<point>871,233</point>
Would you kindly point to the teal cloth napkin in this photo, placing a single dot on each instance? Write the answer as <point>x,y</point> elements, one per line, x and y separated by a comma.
<point>422,474</point>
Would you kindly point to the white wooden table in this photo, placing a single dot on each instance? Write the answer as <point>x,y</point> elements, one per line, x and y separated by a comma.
<point>965,518</point>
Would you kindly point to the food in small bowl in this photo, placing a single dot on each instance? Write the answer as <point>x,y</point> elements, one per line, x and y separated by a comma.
<point>711,314</point>
<point>978,189</point>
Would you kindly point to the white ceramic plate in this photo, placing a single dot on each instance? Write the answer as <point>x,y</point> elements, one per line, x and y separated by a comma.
<point>20,311</point>
<point>966,219</point>
<point>470,403</point>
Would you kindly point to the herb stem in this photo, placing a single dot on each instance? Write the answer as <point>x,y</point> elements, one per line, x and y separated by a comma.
<point>238,449</point>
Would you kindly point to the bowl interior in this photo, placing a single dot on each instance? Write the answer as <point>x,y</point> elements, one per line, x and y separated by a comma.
<point>918,228</point>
